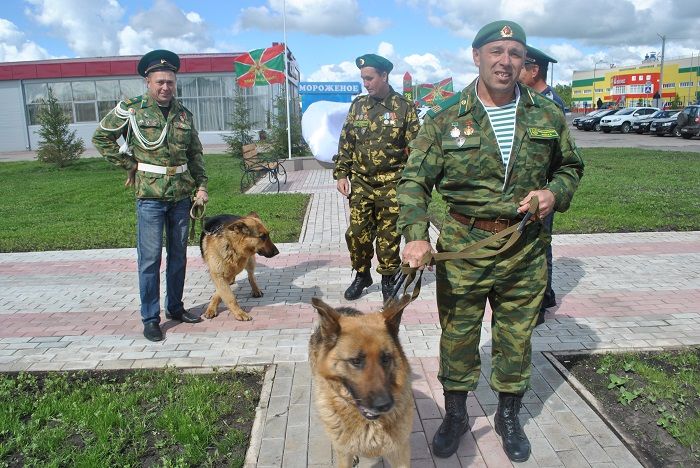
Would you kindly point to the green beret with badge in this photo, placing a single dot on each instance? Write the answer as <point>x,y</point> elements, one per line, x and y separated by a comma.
<point>158,60</point>
<point>537,56</point>
<point>375,61</point>
<point>500,31</point>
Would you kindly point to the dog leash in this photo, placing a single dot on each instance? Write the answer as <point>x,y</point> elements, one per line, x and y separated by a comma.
<point>199,207</point>
<point>407,274</point>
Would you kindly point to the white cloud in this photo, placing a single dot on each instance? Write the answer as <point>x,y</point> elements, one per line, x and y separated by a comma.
<point>323,17</point>
<point>386,50</point>
<point>15,48</point>
<point>183,31</point>
<point>89,27</point>
<point>344,71</point>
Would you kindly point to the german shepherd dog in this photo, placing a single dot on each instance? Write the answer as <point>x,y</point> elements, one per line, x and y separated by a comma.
<point>228,244</point>
<point>362,382</point>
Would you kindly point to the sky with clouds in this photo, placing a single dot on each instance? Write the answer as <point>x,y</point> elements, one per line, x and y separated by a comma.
<point>431,39</point>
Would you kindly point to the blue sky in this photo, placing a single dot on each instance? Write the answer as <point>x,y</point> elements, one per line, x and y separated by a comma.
<point>429,38</point>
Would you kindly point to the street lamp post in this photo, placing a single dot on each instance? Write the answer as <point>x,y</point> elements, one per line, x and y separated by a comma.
<point>595,66</point>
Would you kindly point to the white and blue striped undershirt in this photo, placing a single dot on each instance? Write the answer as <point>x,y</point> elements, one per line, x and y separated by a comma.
<point>502,120</point>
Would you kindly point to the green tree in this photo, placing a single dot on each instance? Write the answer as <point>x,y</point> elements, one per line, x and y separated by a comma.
<point>278,128</point>
<point>564,92</point>
<point>57,144</point>
<point>240,125</point>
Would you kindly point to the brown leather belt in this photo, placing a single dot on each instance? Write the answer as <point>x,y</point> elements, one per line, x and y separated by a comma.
<point>490,225</point>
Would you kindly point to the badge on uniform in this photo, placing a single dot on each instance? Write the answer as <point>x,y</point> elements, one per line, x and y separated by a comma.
<point>454,133</point>
<point>468,129</point>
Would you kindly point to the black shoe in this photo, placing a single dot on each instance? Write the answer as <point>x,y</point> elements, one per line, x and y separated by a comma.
<point>362,280</point>
<point>453,427</point>
<point>184,317</point>
<point>515,442</point>
<point>540,317</point>
<point>388,284</point>
<point>550,300</point>
<point>152,331</point>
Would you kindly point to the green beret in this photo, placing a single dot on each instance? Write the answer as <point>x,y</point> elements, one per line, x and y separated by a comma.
<point>157,60</point>
<point>374,60</point>
<point>537,56</point>
<point>499,31</point>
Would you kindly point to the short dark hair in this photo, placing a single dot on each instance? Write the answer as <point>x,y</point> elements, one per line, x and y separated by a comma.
<point>541,70</point>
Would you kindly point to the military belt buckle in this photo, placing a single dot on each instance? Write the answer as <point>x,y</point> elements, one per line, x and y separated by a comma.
<point>171,170</point>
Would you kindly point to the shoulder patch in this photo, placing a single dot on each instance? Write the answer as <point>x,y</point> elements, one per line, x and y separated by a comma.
<point>444,104</point>
<point>133,100</point>
<point>542,133</point>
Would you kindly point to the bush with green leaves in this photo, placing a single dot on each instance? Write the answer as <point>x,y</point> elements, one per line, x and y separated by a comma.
<point>278,128</point>
<point>57,144</point>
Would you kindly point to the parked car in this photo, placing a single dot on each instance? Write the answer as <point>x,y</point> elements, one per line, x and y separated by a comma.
<point>593,122</point>
<point>642,125</point>
<point>623,119</point>
<point>578,121</point>
<point>667,125</point>
<point>688,121</point>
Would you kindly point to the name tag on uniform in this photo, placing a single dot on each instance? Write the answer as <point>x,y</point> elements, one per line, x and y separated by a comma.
<point>542,133</point>
<point>361,123</point>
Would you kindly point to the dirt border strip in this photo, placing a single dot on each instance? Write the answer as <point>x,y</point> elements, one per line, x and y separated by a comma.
<point>593,401</point>
<point>256,432</point>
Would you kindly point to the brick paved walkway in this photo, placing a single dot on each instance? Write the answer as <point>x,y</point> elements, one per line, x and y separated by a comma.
<point>79,310</point>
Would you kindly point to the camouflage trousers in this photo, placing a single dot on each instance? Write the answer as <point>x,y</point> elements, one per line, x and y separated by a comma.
<point>514,284</point>
<point>373,215</point>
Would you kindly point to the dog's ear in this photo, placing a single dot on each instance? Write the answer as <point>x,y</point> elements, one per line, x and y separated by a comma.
<point>241,227</point>
<point>253,214</point>
<point>393,311</point>
<point>330,325</point>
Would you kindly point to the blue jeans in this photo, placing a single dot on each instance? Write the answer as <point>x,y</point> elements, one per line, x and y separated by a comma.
<point>152,217</point>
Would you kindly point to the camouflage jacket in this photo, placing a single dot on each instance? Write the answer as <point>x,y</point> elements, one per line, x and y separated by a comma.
<point>180,146</point>
<point>374,139</point>
<point>457,153</point>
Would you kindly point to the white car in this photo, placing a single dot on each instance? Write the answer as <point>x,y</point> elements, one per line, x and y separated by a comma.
<point>623,119</point>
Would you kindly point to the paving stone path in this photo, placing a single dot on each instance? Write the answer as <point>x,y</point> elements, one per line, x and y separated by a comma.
<point>72,310</point>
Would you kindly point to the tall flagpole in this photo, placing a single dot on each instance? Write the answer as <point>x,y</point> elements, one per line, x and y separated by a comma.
<point>286,80</point>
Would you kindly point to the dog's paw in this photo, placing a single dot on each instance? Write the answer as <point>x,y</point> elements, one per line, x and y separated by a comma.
<point>257,293</point>
<point>209,314</point>
<point>242,316</point>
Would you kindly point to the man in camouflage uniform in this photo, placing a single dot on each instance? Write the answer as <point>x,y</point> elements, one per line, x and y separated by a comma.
<point>163,158</point>
<point>534,75</point>
<point>488,150</point>
<point>372,152</point>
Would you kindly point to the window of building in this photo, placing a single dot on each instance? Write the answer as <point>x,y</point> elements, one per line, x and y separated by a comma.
<point>209,97</point>
<point>669,85</point>
<point>619,90</point>
<point>634,77</point>
<point>648,77</point>
<point>686,84</point>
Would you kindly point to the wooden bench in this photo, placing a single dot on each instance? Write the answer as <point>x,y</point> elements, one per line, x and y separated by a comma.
<point>255,166</point>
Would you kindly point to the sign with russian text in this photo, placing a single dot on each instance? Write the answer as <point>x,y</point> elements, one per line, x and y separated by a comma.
<point>329,88</point>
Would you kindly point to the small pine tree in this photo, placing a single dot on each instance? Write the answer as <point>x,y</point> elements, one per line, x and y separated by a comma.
<point>57,144</point>
<point>240,126</point>
<point>278,129</point>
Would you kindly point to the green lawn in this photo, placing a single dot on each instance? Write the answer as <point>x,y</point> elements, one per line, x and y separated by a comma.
<point>127,418</point>
<point>629,190</point>
<point>86,206</point>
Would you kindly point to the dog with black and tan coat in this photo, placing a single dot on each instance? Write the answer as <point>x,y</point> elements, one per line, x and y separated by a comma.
<point>229,244</point>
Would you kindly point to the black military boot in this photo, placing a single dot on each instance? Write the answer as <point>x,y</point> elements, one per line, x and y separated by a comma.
<point>388,283</point>
<point>362,280</point>
<point>455,424</point>
<point>515,442</point>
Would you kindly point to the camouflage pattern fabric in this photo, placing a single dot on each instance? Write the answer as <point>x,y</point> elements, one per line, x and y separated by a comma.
<point>457,153</point>
<point>373,214</point>
<point>372,153</point>
<point>181,146</point>
<point>514,283</point>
